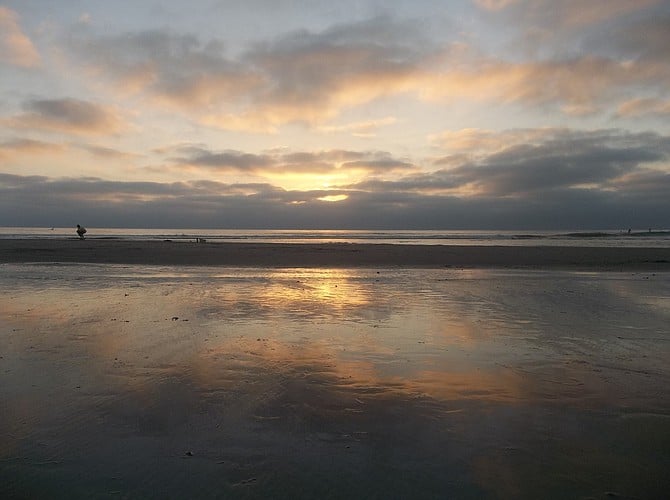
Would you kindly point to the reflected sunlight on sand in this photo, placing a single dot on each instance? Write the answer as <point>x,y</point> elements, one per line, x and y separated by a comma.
<point>308,366</point>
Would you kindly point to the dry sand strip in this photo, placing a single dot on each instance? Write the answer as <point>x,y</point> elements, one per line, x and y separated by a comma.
<point>330,255</point>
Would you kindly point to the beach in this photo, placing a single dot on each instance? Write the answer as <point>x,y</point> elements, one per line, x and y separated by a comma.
<point>157,369</point>
<point>330,254</point>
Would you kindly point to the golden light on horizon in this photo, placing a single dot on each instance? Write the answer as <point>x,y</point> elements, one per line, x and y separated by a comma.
<point>313,181</point>
<point>334,198</point>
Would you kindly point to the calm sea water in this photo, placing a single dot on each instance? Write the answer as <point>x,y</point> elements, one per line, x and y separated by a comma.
<point>604,238</point>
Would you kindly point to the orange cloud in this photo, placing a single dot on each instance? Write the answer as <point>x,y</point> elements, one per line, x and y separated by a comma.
<point>15,46</point>
<point>644,107</point>
<point>576,86</point>
<point>312,78</point>
<point>495,4</point>
<point>22,147</point>
<point>367,128</point>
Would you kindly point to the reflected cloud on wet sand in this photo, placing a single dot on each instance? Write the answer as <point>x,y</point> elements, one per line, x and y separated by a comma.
<point>332,382</point>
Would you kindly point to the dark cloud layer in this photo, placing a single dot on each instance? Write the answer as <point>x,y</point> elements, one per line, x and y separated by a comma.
<point>568,179</point>
<point>595,160</point>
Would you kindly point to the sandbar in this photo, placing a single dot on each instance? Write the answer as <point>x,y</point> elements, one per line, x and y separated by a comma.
<point>276,255</point>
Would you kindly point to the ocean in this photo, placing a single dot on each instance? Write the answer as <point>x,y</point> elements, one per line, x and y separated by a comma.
<point>598,238</point>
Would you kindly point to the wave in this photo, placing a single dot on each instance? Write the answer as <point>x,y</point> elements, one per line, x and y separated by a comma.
<point>401,237</point>
<point>600,234</point>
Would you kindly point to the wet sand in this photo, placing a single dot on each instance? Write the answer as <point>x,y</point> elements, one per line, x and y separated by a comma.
<point>130,381</point>
<point>329,255</point>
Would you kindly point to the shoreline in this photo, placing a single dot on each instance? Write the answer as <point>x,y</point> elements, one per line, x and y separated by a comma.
<point>109,251</point>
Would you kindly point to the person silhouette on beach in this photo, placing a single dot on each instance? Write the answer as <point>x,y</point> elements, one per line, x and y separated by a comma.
<point>81,231</point>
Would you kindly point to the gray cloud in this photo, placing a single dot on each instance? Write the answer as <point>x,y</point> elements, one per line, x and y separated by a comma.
<point>333,156</point>
<point>568,179</point>
<point>561,159</point>
<point>568,161</point>
<point>310,77</point>
<point>225,160</point>
<point>308,66</point>
<point>67,115</point>
<point>382,165</point>
<point>178,69</point>
<point>546,19</point>
<point>287,162</point>
<point>108,153</point>
<point>583,57</point>
<point>299,77</point>
<point>646,38</point>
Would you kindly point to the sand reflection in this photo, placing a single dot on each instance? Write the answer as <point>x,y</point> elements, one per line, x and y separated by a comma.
<point>448,382</point>
<point>329,289</point>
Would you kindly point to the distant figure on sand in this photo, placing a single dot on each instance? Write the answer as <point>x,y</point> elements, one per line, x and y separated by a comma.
<point>81,231</point>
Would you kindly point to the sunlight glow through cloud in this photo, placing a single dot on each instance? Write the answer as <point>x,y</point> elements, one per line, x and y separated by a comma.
<point>334,197</point>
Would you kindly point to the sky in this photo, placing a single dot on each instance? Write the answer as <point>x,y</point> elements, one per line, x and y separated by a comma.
<point>417,114</point>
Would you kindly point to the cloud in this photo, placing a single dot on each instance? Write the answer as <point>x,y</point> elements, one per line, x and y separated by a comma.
<point>577,85</point>
<point>286,162</point>
<point>228,160</point>
<point>646,38</point>
<point>173,69</point>
<point>541,162</point>
<point>302,77</point>
<point>367,128</point>
<point>13,148</point>
<point>653,183</point>
<point>141,204</point>
<point>644,107</point>
<point>313,85</point>
<point>495,5</point>
<point>36,200</point>
<point>312,77</point>
<point>16,48</point>
<point>566,13</point>
<point>382,166</point>
<point>67,115</point>
<point>29,145</point>
<point>599,30</point>
<point>18,149</point>
<point>481,142</point>
<point>559,178</point>
<point>108,153</point>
